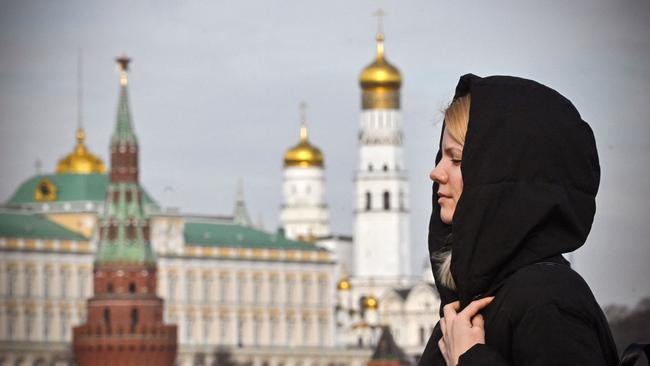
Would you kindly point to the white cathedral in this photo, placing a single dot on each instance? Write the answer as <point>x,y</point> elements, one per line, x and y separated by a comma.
<point>302,296</point>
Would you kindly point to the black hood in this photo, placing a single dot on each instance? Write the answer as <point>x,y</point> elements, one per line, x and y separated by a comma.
<point>530,177</point>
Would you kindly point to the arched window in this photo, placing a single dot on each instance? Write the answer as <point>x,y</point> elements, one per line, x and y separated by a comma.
<point>134,319</point>
<point>386,200</point>
<point>370,167</point>
<point>401,201</point>
<point>107,317</point>
<point>131,288</point>
<point>385,167</point>
<point>109,287</point>
<point>368,201</point>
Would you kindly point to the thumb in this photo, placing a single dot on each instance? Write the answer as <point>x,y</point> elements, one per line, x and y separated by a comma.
<point>478,321</point>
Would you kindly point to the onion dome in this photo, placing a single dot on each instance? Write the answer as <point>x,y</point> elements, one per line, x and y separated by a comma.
<point>380,75</point>
<point>370,302</point>
<point>343,285</point>
<point>303,154</point>
<point>81,161</point>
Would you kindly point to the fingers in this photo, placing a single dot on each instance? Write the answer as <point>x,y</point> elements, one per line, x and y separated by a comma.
<point>475,306</point>
<point>478,321</point>
<point>451,309</point>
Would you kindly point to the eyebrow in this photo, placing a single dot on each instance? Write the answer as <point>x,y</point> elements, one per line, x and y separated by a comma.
<point>451,150</point>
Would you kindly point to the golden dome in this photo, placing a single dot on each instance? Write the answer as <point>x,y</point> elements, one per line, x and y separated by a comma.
<point>343,285</point>
<point>80,161</point>
<point>370,303</point>
<point>303,154</point>
<point>380,75</point>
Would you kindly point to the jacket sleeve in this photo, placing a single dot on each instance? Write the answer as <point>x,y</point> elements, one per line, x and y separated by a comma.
<point>546,335</point>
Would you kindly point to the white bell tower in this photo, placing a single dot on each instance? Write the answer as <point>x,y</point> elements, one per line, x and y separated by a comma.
<point>381,225</point>
<point>304,214</point>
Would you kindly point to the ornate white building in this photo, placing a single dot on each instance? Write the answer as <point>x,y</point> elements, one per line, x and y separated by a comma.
<point>304,214</point>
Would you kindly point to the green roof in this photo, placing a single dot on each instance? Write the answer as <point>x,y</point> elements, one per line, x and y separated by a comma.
<point>232,235</point>
<point>34,226</point>
<point>70,188</point>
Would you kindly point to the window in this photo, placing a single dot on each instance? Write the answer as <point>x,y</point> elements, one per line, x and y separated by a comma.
<point>289,294</point>
<point>131,288</point>
<point>11,281</point>
<point>386,200</point>
<point>29,278</point>
<point>47,277</point>
<point>385,168</point>
<point>207,324</point>
<point>305,291</point>
<point>82,283</point>
<point>11,323</point>
<point>65,279</point>
<point>368,201</point>
<point>134,319</point>
<point>369,167</point>
<point>273,290</point>
<point>189,325</point>
<point>107,317</point>
<point>306,329</point>
<point>256,289</point>
<point>172,287</point>
<point>290,326</point>
<point>322,290</point>
<point>64,324</point>
<point>189,287</point>
<point>46,324</point>
<point>322,328</point>
<point>207,288</point>
<point>29,323</point>
<point>401,201</point>
<point>223,287</point>
<point>109,287</point>
<point>422,335</point>
<point>223,331</point>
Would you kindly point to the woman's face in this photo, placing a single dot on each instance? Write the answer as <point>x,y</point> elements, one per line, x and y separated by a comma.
<point>449,177</point>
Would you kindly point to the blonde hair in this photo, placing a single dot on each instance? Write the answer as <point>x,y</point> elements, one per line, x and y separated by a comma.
<point>456,122</point>
<point>457,118</point>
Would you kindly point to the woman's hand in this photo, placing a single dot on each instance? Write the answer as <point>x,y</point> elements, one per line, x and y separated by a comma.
<point>461,330</point>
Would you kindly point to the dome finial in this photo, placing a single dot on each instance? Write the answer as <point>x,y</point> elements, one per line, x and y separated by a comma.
<point>303,121</point>
<point>123,63</point>
<point>380,32</point>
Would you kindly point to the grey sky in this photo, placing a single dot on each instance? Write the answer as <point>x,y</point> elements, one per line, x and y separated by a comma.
<point>215,88</point>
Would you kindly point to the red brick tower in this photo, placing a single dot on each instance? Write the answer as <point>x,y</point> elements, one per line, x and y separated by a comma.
<point>387,352</point>
<point>124,325</point>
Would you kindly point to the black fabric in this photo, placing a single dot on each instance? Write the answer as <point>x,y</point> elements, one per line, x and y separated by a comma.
<point>530,177</point>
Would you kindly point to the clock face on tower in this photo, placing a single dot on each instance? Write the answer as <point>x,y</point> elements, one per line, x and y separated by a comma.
<point>45,191</point>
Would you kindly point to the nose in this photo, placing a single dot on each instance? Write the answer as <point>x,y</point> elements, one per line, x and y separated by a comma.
<point>438,174</point>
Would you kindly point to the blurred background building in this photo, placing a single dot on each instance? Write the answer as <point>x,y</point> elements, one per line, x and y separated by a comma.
<point>299,296</point>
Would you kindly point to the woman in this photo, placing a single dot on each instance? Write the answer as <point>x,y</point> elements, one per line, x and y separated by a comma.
<point>514,187</point>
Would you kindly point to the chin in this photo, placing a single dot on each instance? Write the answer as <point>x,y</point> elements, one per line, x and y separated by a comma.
<point>444,217</point>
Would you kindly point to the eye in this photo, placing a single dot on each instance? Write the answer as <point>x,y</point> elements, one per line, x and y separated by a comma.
<point>456,161</point>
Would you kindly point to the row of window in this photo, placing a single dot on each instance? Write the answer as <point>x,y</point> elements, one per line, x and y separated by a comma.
<point>384,167</point>
<point>385,201</point>
<point>30,331</point>
<point>206,289</point>
<point>256,330</point>
<point>31,278</point>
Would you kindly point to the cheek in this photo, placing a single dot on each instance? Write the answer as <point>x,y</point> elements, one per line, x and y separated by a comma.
<point>456,180</point>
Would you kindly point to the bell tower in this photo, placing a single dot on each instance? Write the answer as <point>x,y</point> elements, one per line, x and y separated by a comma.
<point>381,224</point>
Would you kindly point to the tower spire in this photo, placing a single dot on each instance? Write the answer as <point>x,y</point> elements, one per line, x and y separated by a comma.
<point>240,214</point>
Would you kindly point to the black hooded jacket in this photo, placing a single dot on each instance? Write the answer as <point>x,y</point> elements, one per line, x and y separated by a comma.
<point>530,177</point>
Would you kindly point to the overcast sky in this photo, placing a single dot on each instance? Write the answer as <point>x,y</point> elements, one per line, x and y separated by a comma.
<point>215,88</point>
